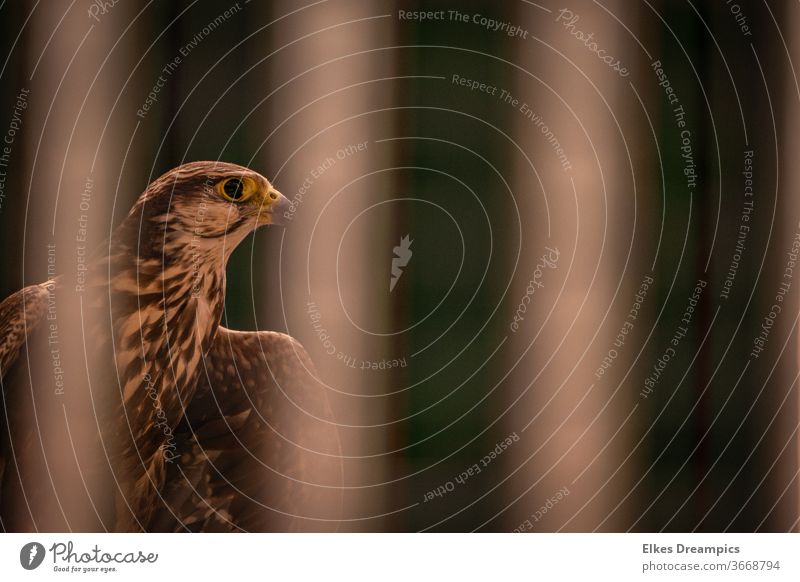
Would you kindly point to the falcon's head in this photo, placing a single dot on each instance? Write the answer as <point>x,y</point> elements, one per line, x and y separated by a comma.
<point>207,205</point>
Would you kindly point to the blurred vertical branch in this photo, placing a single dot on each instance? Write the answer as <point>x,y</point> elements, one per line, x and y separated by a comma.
<point>325,99</point>
<point>785,484</point>
<point>792,144</point>
<point>598,207</point>
<point>77,127</point>
<point>453,142</point>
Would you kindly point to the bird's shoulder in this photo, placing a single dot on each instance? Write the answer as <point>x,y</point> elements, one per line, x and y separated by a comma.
<point>269,353</point>
<point>20,315</point>
<point>256,438</point>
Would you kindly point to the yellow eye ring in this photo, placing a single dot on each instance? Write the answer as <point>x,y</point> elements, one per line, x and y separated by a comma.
<point>236,189</point>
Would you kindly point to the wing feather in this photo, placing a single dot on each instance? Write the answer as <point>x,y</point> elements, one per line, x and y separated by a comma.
<point>20,315</point>
<point>259,450</point>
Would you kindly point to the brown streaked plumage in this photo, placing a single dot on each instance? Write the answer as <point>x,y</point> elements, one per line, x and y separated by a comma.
<point>171,422</point>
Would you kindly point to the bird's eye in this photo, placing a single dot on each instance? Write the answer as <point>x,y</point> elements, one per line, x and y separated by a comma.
<point>235,189</point>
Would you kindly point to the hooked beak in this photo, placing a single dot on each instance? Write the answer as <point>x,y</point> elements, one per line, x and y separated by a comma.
<point>274,208</point>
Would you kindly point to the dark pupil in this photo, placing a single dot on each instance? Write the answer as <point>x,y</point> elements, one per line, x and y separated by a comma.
<point>233,189</point>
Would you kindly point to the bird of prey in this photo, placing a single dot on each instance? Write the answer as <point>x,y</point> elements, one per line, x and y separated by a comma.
<point>127,406</point>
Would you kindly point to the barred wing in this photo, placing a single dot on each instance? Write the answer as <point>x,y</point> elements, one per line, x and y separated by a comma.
<point>20,315</point>
<point>257,449</point>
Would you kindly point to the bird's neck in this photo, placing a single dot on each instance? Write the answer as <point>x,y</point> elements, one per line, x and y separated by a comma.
<point>164,257</point>
<point>160,284</point>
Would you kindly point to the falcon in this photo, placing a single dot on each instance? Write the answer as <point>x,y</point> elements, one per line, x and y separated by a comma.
<point>127,406</point>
